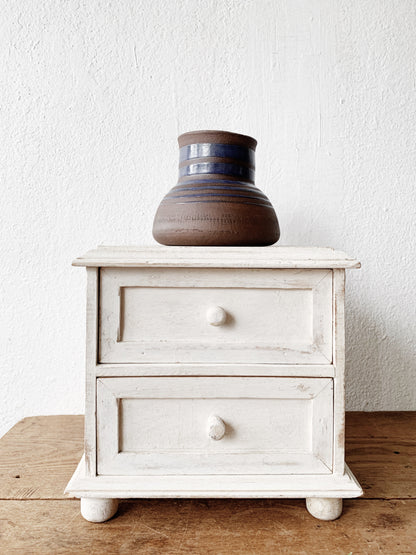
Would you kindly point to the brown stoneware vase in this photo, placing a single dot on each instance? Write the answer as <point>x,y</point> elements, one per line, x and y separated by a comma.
<point>215,202</point>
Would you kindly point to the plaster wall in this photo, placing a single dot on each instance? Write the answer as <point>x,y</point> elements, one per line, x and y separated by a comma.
<point>92,97</point>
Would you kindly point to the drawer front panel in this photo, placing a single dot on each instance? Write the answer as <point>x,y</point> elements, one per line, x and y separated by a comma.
<point>160,425</point>
<point>216,315</point>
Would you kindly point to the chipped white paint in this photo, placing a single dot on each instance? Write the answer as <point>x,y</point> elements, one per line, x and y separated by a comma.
<point>215,257</point>
<point>162,424</point>
<point>216,316</point>
<point>215,427</point>
<point>94,96</point>
<point>275,317</point>
<point>324,508</point>
<point>156,426</point>
<point>96,509</point>
<point>220,486</point>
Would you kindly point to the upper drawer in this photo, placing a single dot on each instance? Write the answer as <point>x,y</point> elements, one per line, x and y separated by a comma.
<point>262,316</point>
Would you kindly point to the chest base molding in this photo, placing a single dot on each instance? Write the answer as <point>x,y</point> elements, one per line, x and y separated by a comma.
<point>218,486</point>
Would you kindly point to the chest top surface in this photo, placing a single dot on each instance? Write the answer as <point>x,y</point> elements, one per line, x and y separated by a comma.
<point>216,257</point>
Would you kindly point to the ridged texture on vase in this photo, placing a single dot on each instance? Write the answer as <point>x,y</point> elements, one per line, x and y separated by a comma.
<point>215,202</point>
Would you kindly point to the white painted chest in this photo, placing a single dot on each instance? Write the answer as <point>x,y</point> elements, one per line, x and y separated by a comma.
<point>214,372</point>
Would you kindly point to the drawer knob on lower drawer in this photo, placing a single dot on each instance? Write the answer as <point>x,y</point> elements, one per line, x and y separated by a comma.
<point>216,316</point>
<point>216,427</point>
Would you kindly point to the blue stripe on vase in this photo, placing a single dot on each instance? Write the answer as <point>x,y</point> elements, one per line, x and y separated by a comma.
<point>219,168</point>
<point>185,187</point>
<point>202,195</point>
<point>219,188</point>
<point>216,180</point>
<point>216,150</point>
<point>233,201</point>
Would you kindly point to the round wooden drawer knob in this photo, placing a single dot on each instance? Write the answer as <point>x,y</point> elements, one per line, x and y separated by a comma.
<point>216,427</point>
<point>216,316</point>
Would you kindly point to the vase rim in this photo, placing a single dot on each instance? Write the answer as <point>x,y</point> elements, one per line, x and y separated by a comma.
<point>216,136</point>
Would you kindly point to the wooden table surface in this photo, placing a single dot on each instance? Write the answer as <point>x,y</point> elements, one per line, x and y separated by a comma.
<point>39,455</point>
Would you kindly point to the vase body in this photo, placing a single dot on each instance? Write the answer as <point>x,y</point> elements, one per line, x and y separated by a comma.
<point>215,202</point>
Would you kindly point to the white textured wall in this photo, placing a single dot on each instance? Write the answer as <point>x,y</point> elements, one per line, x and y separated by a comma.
<point>93,95</point>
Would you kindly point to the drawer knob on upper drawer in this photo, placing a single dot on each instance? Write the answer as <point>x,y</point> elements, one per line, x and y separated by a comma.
<point>216,316</point>
<point>216,427</point>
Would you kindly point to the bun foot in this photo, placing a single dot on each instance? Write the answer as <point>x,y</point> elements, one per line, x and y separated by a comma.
<point>324,508</point>
<point>95,509</point>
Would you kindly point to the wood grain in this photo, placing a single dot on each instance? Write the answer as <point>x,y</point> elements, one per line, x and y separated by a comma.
<point>38,456</point>
<point>209,527</point>
<point>44,451</point>
<point>381,451</point>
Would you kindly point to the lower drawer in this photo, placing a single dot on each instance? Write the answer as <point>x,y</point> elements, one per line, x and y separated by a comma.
<point>167,425</point>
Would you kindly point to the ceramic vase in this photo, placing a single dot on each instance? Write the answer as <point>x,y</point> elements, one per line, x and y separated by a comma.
<point>215,202</point>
